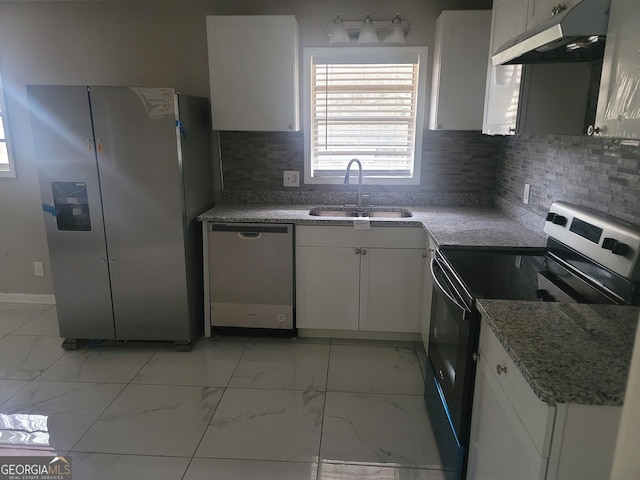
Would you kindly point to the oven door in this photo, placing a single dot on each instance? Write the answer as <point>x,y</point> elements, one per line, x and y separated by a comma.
<point>453,339</point>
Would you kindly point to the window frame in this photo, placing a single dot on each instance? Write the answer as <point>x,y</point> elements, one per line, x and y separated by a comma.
<point>340,54</point>
<point>11,173</point>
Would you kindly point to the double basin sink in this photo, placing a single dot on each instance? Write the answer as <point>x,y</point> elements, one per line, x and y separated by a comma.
<point>359,212</point>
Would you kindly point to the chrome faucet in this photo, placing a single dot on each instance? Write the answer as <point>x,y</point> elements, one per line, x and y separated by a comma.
<point>346,178</point>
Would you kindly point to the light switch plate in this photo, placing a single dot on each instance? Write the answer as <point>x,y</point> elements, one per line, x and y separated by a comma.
<point>527,189</point>
<point>291,178</point>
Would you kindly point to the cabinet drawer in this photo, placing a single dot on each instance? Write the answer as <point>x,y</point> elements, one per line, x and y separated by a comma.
<point>535,415</point>
<point>347,236</point>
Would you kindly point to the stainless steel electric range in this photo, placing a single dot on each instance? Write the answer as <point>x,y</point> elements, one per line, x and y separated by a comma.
<point>589,258</point>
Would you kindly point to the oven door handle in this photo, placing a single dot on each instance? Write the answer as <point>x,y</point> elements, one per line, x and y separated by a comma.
<point>441,288</point>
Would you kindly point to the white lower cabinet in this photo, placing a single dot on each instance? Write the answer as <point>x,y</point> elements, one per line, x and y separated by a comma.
<point>517,436</point>
<point>391,287</point>
<point>500,446</point>
<point>367,280</point>
<point>327,287</point>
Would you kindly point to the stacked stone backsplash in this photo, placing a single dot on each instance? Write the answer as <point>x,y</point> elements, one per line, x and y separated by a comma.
<point>458,168</point>
<point>603,174</point>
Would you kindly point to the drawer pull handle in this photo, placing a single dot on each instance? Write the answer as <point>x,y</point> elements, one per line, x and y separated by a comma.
<point>500,369</point>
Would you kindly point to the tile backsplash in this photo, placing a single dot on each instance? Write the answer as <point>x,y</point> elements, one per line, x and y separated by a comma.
<point>603,174</point>
<point>458,168</point>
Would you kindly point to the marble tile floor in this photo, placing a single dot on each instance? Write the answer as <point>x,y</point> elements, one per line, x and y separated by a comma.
<point>232,408</point>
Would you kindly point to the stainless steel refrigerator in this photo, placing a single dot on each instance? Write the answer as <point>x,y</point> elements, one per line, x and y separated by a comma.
<point>123,174</point>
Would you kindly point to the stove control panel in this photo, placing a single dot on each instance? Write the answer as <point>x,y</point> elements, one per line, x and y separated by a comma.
<point>613,243</point>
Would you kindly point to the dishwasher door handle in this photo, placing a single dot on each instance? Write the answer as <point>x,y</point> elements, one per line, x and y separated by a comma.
<point>249,235</point>
<point>249,229</point>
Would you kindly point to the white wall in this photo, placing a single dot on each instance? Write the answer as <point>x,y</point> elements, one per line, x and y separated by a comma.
<point>150,43</point>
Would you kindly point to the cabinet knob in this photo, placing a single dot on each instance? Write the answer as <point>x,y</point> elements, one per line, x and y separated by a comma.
<point>290,126</point>
<point>512,129</point>
<point>591,130</point>
<point>500,369</point>
<point>476,356</point>
<point>364,252</point>
<point>558,8</point>
<point>357,251</point>
<point>424,255</point>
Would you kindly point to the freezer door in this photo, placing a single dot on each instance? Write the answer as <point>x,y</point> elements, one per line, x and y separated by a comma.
<point>142,194</point>
<point>66,162</point>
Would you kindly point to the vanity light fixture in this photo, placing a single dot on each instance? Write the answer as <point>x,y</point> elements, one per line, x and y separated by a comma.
<point>396,32</point>
<point>339,34</point>
<point>367,31</point>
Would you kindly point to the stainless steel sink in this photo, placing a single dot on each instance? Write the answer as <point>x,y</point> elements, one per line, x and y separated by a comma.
<point>355,212</point>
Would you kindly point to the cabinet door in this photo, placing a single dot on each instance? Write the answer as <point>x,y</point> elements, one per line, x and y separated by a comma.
<point>509,18</point>
<point>253,72</point>
<point>500,448</point>
<point>327,293</point>
<point>618,113</point>
<point>391,287</point>
<point>459,70</point>
<point>542,10</point>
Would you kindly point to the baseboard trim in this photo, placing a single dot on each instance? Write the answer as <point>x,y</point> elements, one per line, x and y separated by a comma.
<point>36,298</point>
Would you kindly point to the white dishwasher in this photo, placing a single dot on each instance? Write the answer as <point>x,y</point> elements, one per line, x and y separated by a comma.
<point>251,277</point>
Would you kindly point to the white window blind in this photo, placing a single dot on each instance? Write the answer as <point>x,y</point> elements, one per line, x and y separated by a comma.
<point>364,105</point>
<point>364,111</point>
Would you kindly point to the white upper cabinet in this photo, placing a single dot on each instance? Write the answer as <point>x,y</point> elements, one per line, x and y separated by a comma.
<point>542,10</point>
<point>618,113</point>
<point>538,99</point>
<point>509,18</point>
<point>459,69</point>
<point>253,72</point>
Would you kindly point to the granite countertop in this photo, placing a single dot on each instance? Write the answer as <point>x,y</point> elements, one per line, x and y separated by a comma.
<point>450,227</point>
<point>568,353</point>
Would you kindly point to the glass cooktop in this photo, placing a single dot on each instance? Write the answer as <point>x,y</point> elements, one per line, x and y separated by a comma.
<point>497,275</point>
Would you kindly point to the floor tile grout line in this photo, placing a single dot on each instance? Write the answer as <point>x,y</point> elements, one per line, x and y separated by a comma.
<point>224,389</point>
<point>27,383</point>
<point>213,413</point>
<point>324,409</point>
<point>114,398</point>
<point>26,321</point>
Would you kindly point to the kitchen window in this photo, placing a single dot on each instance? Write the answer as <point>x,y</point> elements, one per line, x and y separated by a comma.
<point>365,103</point>
<point>6,161</point>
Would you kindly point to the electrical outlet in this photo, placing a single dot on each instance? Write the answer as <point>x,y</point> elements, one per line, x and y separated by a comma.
<point>38,268</point>
<point>291,178</point>
<point>527,189</point>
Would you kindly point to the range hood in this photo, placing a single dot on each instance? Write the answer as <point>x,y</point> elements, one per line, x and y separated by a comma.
<point>573,35</point>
